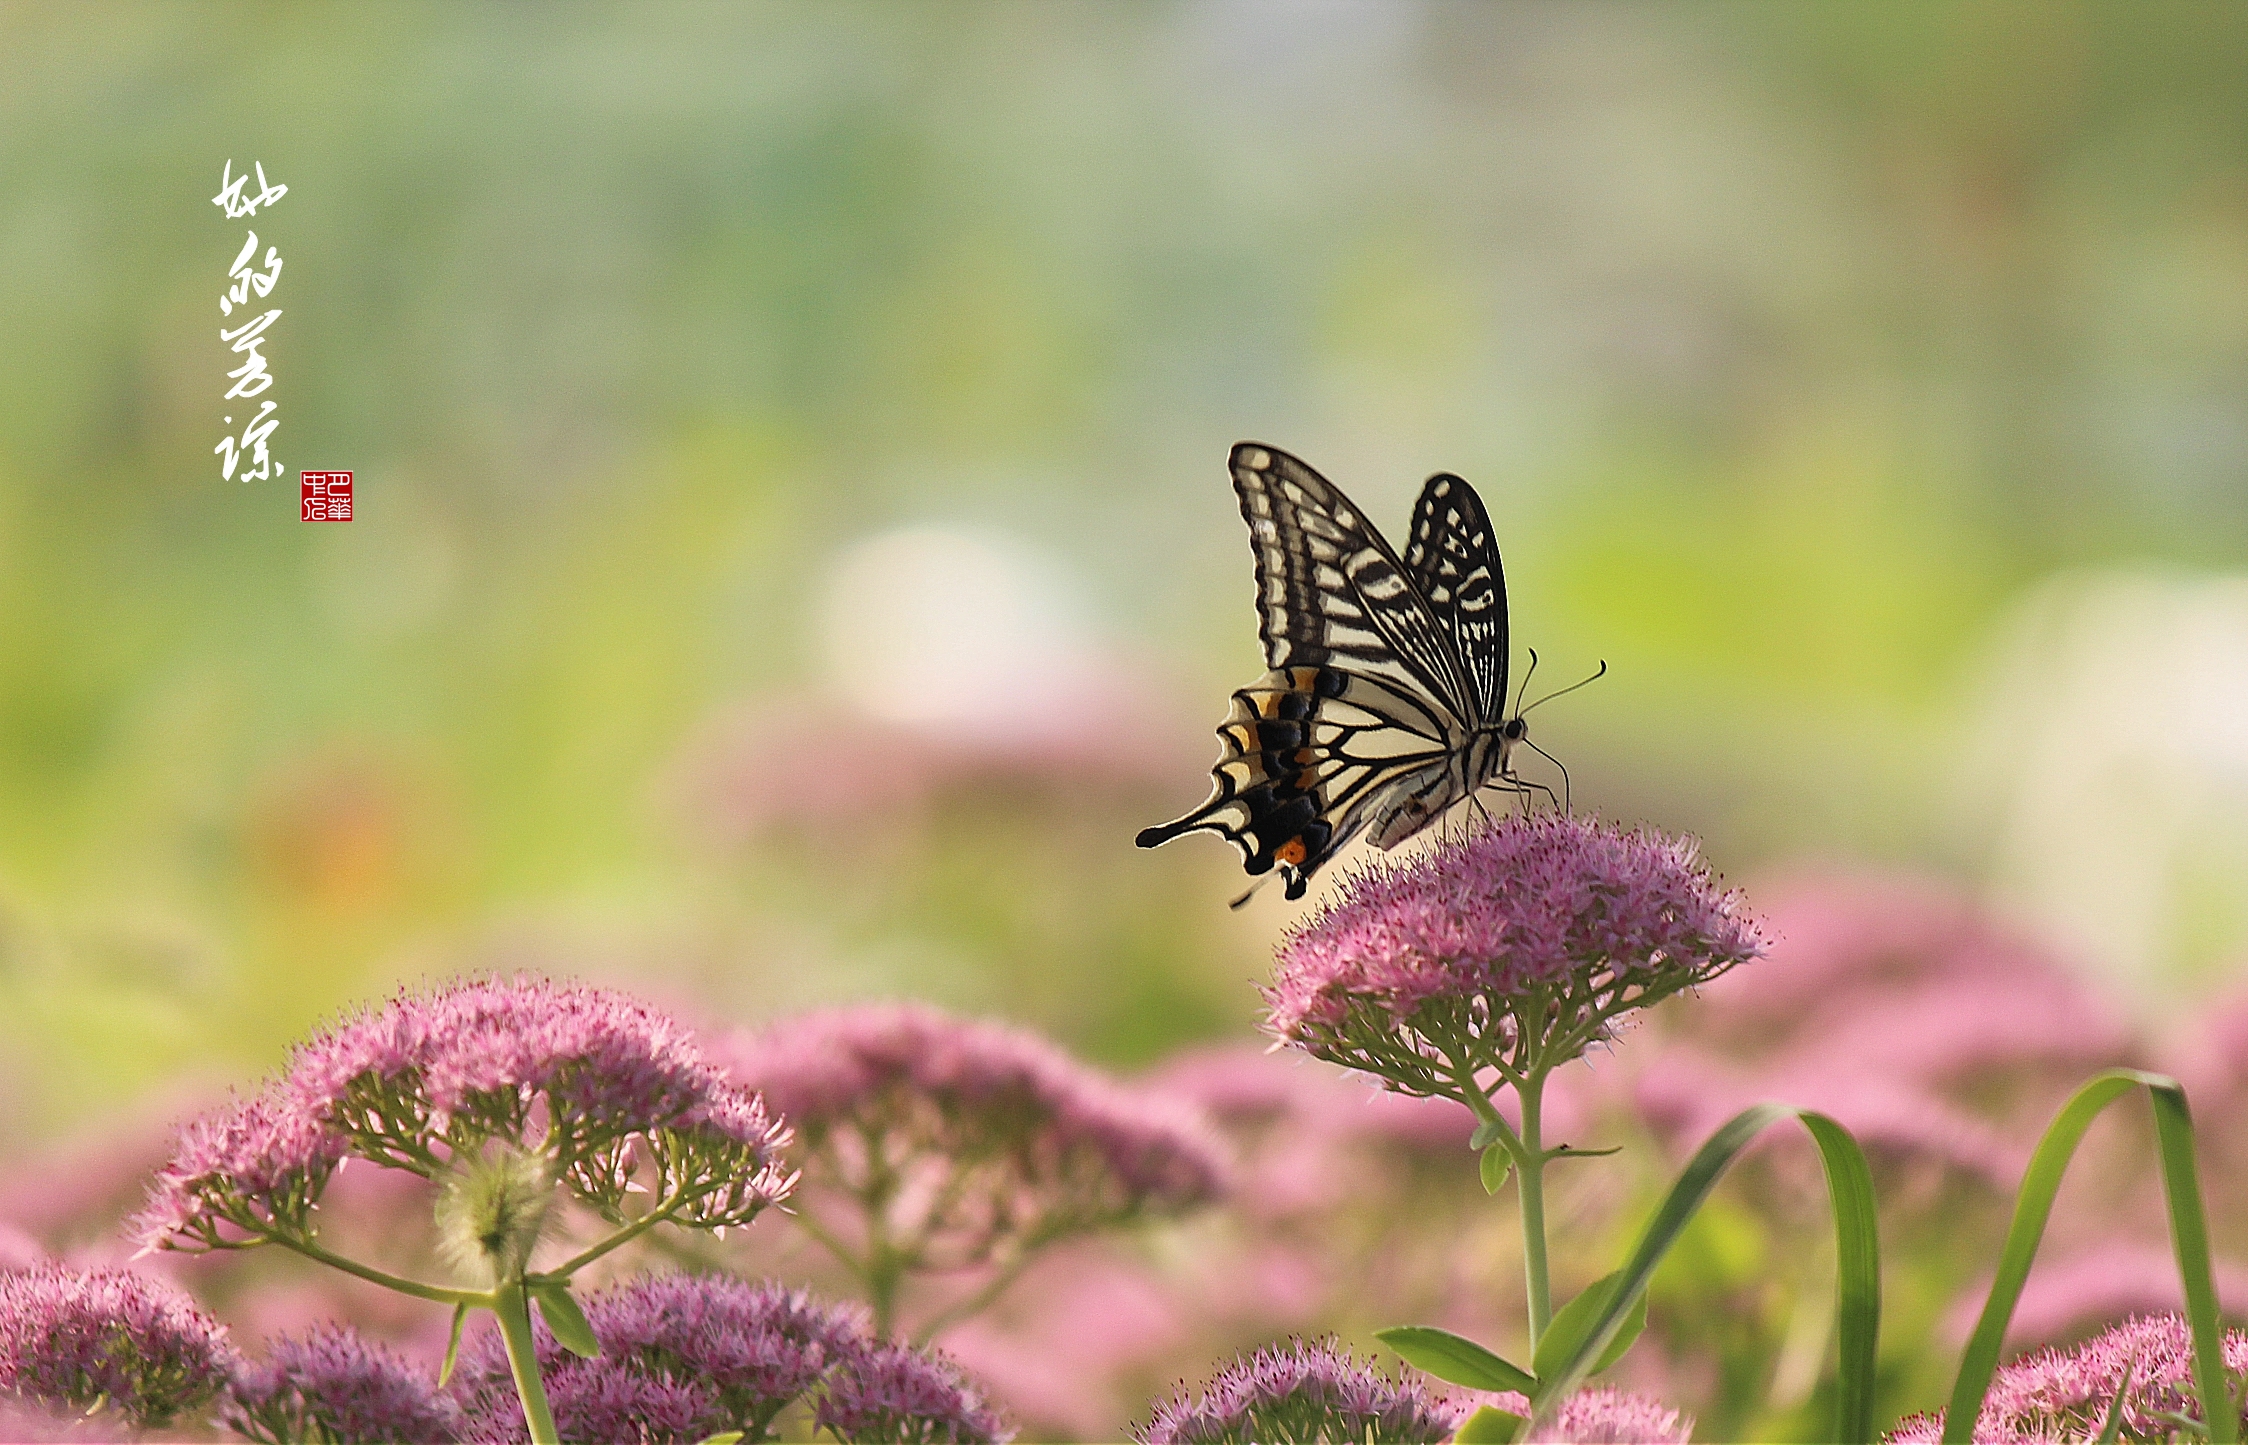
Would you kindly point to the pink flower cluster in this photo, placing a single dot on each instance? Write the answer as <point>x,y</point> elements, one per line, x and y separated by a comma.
<point>1520,944</point>
<point>1314,1391</point>
<point>581,1074</point>
<point>1604,1416</point>
<point>1302,1391</point>
<point>686,1357</point>
<point>330,1384</point>
<point>2066,1394</point>
<point>109,1338</point>
<point>886,1098</point>
<point>892,1392</point>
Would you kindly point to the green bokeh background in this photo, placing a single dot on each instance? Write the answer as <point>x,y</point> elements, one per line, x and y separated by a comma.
<point>1790,345</point>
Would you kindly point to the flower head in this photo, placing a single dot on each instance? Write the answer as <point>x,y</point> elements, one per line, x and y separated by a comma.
<point>331,1384</point>
<point>889,1392</point>
<point>1299,1393</point>
<point>992,1138</point>
<point>90,1338</point>
<point>2066,1394</point>
<point>1515,948</point>
<point>1605,1416</point>
<point>595,1083</point>
<point>728,1353</point>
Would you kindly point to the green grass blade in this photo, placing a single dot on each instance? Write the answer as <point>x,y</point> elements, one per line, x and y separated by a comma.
<point>1857,1308</point>
<point>2033,1205</point>
<point>2189,1240</point>
<point>1857,1257</point>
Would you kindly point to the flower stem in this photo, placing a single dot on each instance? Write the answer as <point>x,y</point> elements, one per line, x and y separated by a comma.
<point>514,1309</point>
<point>623,1236</point>
<point>1529,1166</point>
<point>438,1293</point>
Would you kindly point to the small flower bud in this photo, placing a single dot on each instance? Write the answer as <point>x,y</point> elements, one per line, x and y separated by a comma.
<point>491,1211</point>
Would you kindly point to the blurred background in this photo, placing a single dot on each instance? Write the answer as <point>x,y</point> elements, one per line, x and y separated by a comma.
<point>794,552</point>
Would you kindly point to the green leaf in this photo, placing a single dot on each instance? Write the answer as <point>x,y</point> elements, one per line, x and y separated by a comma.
<point>1567,1332</point>
<point>1455,1358</point>
<point>1486,1134</point>
<point>2033,1204</point>
<point>1857,1305</point>
<point>723,1437</point>
<point>2112,1429</point>
<point>452,1346</point>
<point>1495,1164</point>
<point>563,1317</point>
<point>1489,1425</point>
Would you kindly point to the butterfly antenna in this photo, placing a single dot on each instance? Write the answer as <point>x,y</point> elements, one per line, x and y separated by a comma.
<point>1572,687</point>
<point>1523,690</point>
<point>1541,752</point>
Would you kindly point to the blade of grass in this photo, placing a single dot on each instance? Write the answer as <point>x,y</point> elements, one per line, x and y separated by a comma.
<point>1857,1259</point>
<point>2033,1205</point>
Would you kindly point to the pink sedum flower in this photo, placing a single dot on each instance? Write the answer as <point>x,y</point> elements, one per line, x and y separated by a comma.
<point>931,1143</point>
<point>685,1357</point>
<point>987,1092</point>
<point>1515,948</point>
<point>1300,1393</point>
<point>2065,1394</point>
<point>329,1383</point>
<point>593,1082</point>
<point>109,1338</point>
<point>892,1394</point>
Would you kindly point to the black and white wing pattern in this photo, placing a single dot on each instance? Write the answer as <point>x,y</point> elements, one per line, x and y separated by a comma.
<point>1373,714</point>
<point>1452,558</point>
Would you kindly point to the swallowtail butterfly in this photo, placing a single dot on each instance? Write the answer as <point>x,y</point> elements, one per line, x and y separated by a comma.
<point>1385,702</point>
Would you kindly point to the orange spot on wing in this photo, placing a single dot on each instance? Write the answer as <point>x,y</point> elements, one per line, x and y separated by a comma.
<point>1293,852</point>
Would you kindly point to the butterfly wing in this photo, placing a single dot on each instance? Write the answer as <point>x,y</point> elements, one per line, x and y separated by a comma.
<point>1330,590</point>
<point>1454,562</point>
<point>1362,721</point>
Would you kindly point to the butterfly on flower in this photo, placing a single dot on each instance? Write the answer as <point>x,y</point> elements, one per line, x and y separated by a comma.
<point>1385,702</point>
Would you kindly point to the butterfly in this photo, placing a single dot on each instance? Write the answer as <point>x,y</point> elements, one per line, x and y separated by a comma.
<point>1385,699</point>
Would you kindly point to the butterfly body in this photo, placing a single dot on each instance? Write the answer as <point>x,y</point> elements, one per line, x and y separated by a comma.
<point>1384,702</point>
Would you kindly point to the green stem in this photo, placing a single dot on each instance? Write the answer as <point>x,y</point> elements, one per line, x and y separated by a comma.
<point>438,1293</point>
<point>514,1309</point>
<point>885,1271</point>
<point>1529,1167</point>
<point>623,1236</point>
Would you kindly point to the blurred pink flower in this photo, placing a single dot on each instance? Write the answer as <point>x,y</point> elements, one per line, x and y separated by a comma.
<point>17,1249</point>
<point>2065,1395</point>
<point>1913,973</point>
<point>932,1143</point>
<point>1088,1320</point>
<point>1901,1009</point>
<point>1600,1415</point>
<point>815,762</point>
<point>1685,1095</point>
<point>1306,1133</point>
<point>109,1339</point>
<point>2108,1281</point>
